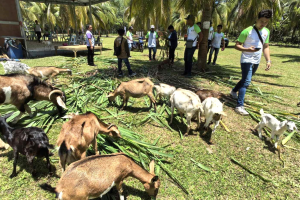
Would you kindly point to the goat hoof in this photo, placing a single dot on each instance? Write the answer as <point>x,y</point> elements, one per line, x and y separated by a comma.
<point>13,175</point>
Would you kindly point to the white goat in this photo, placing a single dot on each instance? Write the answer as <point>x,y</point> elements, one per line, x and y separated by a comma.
<point>213,111</point>
<point>12,67</point>
<point>275,125</point>
<point>188,103</point>
<point>164,90</point>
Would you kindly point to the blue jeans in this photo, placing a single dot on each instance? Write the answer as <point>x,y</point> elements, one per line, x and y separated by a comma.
<point>211,53</point>
<point>188,59</point>
<point>126,63</point>
<point>248,70</point>
<point>130,46</point>
<point>154,52</point>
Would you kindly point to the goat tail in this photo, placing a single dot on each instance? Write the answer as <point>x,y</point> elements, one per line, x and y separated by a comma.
<point>261,112</point>
<point>49,188</point>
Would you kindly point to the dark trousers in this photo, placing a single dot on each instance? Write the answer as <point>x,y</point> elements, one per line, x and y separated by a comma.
<point>39,35</point>
<point>90,56</point>
<point>211,53</point>
<point>208,45</point>
<point>154,52</point>
<point>126,61</point>
<point>46,35</point>
<point>172,53</point>
<point>248,70</point>
<point>188,60</point>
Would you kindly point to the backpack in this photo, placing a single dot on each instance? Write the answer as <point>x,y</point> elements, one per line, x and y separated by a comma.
<point>118,49</point>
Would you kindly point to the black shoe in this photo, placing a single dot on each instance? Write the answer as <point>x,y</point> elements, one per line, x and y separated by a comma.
<point>188,76</point>
<point>93,65</point>
<point>184,74</point>
<point>132,74</point>
<point>120,74</point>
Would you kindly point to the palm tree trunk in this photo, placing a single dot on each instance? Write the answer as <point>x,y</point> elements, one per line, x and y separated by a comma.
<point>293,34</point>
<point>206,17</point>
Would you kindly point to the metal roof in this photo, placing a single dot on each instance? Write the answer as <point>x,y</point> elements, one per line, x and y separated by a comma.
<point>70,2</point>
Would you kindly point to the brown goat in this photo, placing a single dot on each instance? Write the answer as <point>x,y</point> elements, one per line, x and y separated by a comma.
<point>19,89</point>
<point>136,88</point>
<point>78,133</point>
<point>203,94</point>
<point>47,72</point>
<point>165,62</point>
<point>94,176</point>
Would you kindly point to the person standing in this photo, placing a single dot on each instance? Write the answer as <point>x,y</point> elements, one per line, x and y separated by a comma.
<point>37,30</point>
<point>90,43</point>
<point>252,42</point>
<point>152,38</point>
<point>217,39</point>
<point>129,37</point>
<point>173,41</point>
<point>210,34</point>
<point>121,50</point>
<point>194,37</point>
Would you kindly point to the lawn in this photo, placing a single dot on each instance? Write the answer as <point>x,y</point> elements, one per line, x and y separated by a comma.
<point>227,179</point>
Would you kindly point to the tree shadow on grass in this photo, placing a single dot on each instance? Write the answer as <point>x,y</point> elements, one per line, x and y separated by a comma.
<point>265,139</point>
<point>39,164</point>
<point>292,58</point>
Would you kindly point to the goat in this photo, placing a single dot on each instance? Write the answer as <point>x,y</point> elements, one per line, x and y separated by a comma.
<point>213,111</point>
<point>204,93</point>
<point>11,67</point>
<point>188,103</point>
<point>165,62</point>
<point>94,176</point>
<point>31,142</point>
<point>277,127</point>
<point>164,90</point>
<point>78,133</point>
<point>136,88</point>
<point>47,72</point>
<point>19,89</point>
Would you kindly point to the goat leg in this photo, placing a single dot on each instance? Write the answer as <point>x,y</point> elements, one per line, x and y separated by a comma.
<point>124,100</point>
<point>48,161</point>
<point>198,120</point>
<point>152,100</point>
<point>94,142</point>
<point>14,173</point>
<point>188,120</point>
<point>120,190</point>
<point>172,111</point>
<point>30,161</point>
<point>28,110</point>
<point>17,118</point>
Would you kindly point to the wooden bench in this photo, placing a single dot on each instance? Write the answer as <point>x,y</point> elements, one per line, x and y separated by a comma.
<point>76,48</point>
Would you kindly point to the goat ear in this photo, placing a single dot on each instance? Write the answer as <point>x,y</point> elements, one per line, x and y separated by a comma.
<point>223,113</point>
<point>61,103</point>
<point>154,179</point>
<point>151,166</point>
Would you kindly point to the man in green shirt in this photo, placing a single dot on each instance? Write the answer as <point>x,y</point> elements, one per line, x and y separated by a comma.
<point>252,42</point>
<point>195,36</point>
<point>129,37</point>
<point>152,39</point>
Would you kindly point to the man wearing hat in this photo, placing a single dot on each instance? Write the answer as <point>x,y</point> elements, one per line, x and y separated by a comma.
<point>129,37</point>
<point>193,39</point>
<point>151,38</point>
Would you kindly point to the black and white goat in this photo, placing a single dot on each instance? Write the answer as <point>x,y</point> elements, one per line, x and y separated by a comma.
<point>31,142</point>
<point>19,89</point>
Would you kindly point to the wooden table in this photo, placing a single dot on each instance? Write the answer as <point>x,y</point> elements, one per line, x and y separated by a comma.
<point>76,48</point>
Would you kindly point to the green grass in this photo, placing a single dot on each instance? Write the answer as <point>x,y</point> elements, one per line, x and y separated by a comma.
<point>227,179</point>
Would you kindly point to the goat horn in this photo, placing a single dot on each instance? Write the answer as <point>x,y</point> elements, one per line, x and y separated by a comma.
<point>55,91</point>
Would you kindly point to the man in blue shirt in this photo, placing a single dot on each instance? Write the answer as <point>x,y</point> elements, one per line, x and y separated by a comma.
<point>172,43</point>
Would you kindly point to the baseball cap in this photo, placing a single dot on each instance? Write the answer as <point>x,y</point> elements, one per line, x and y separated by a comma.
<point>190,17</point>
<point>152,26</point>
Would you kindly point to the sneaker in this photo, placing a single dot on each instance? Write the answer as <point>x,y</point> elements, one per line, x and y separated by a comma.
<point>132,74</point>
<point>241,110</point>
<point>120,74</point>
<point>233,94</point>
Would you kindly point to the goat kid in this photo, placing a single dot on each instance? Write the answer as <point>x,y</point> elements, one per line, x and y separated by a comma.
<point>277,127</point>
<point>164,90</point>
<point>94,176</point>
<point>48,72</point>
<point>78,133</point>
<point>213,111</point>
<point>19,89</point>
<point>31,142</point>
<point>136,88</point>
<point>188,103</point>
<point>165,62</point>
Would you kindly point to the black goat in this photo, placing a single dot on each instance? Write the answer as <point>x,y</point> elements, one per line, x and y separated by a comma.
<point>31,142</point>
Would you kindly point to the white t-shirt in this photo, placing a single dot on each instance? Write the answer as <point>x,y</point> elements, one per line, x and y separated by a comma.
<point>37,28</point>
<point>129,34</point>
<point>192,33</point>
<point>250,38</point>
<point>211,32</point>
<point>217,39</point>
<point>152,38</point>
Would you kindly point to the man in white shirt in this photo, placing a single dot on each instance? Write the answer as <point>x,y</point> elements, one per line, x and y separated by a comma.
<point>217,39</point>
<point>252,42</point>
<point>37,30</point>
<point>129,37</point>
<point>151,38</point>
<point>210,34</point>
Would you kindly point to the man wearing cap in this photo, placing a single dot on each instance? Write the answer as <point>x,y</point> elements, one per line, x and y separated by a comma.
<point>151,38</point>
<point>129,37</point>
<point>195,37</point>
